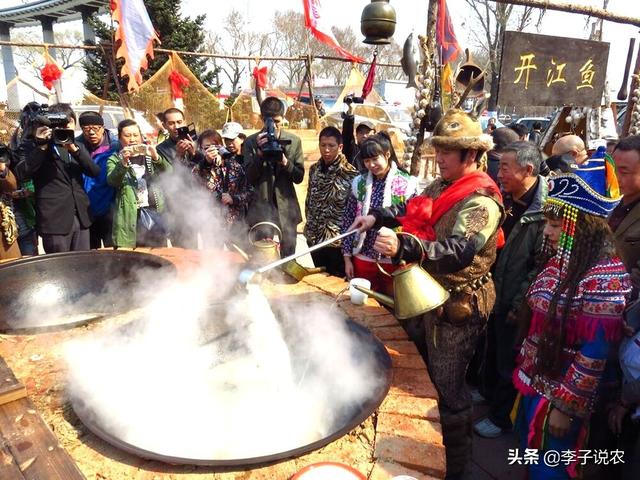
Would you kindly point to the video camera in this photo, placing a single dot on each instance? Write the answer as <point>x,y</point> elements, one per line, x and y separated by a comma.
<point>351,98</point>
<point>272,150</point>
<point>38,115</point>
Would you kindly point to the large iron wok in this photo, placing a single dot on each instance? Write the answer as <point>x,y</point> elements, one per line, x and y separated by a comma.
<point>367,345</point>
<point>67,289</point>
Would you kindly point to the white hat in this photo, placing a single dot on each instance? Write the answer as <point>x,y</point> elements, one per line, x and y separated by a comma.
<point>231,130</point>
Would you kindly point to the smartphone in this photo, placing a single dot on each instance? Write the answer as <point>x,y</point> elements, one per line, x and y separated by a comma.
<point>187,133</point>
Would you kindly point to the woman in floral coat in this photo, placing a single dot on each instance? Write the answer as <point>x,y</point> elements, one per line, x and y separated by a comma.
<point>384,185</point>
<point>222,174</point>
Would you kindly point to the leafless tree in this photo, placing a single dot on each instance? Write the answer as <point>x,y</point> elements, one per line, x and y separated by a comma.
<point>234,38</point>
<point>33,57</point>
<point>291,39</point>
<point>492,21</point>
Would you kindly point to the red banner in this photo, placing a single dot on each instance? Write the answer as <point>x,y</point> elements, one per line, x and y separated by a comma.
<point>315,21</point>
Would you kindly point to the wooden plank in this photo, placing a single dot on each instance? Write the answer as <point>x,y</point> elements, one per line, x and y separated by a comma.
<point>10,388</point>
<point>8,467</point>
<point>35,449</point>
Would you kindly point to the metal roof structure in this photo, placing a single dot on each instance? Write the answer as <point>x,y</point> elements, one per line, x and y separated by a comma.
<point>30,14</point>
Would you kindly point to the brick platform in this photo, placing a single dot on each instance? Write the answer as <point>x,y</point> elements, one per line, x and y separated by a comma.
<point>402,437</point>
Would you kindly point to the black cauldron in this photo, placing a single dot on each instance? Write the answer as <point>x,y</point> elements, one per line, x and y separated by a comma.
<point>366,348</point>
<point>68,289</point>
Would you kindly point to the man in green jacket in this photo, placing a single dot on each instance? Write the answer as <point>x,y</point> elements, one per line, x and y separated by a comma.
<point>515,268</point>
<point>273,177</point>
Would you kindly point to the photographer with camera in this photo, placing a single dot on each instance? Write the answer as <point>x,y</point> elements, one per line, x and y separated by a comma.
<point>274,162</point>
<point>98,142</point>
<point>140,203</point>
<point>364,129</point>
<point>8,227</point>
<point>180,150</point>
<point>222,175</point>
<point>179,145</point>
<point>49,155</point>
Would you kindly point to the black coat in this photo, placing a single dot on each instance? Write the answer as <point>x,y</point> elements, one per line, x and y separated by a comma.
<point>274,197</point>
<point>59,186</point>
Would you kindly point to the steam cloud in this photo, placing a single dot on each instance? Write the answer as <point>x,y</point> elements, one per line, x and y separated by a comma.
<point>196,379</point>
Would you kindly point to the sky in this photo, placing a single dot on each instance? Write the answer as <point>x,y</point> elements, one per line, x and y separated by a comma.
<point>411,16</point>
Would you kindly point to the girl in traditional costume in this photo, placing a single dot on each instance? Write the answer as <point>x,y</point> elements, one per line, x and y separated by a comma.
<point>384,185</point>
<point>576,303</point>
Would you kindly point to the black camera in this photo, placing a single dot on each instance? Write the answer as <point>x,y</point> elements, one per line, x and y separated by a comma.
<point>351,98</point>
<point>187,133</point>
<point>272,150</point>
<point>58,122</point>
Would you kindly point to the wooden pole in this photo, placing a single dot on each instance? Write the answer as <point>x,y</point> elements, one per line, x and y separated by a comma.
<point>309,82</point>
<point>426,64</point>
<point>300,58</point>
<point>573,8</point>
<point>631,104</point>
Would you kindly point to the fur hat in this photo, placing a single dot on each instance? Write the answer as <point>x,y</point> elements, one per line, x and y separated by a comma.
<point>457,130</point>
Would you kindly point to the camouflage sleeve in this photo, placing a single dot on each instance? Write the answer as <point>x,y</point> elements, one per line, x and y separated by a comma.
<point>478,220</point>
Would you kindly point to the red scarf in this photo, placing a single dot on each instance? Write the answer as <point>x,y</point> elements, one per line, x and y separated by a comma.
<point>423,213</point>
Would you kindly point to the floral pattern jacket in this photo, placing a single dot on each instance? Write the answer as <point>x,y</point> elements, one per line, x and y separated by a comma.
<point>229,177</point>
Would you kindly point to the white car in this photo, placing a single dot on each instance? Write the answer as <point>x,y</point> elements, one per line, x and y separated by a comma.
<point>383,117</point>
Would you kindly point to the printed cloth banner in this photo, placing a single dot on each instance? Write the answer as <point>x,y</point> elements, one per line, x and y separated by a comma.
<point>445,35</point>
<point>137,35</point>
<point>315,21</point>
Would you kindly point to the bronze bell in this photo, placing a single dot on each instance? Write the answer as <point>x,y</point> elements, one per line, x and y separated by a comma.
<point>378,22</point>
<point>466,72</point>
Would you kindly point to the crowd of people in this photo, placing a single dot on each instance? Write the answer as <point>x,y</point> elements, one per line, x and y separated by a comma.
<point>541,256</point>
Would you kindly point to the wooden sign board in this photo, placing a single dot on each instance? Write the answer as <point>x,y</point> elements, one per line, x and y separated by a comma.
<point>541,70</point>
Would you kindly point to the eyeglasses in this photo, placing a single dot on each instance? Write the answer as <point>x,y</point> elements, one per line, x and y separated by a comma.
<point>92,128</point>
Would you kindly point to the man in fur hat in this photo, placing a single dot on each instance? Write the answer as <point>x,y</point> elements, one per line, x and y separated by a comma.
<point>457,219</point>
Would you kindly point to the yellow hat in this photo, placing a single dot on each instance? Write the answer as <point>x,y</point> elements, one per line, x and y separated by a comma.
<point>457,130</point>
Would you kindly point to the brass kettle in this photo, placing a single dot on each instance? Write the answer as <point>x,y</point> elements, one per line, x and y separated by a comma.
<point>414,291</point>
<point>266,250</point>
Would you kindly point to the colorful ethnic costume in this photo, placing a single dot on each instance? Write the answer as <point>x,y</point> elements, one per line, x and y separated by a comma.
<point>368,193</point>
<point>458,224</point>
<point>592,326</point>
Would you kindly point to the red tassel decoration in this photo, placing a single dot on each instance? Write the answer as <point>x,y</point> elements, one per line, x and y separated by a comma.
<point>50,73</point>
<point>178,83</point>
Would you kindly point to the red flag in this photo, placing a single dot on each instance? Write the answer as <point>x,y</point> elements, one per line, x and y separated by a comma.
<point>315,21</point>
<point>371,76</point>
<point>137,35</point>
<point>445,35</point>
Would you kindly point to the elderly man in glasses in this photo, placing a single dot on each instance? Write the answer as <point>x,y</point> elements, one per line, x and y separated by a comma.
<point>101,145</point>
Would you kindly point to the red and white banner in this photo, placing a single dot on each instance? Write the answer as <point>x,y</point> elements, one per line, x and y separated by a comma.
<point>137,35</point>
<point>315,20</point>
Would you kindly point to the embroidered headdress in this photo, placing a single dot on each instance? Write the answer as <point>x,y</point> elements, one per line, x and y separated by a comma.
<point>569,194</point>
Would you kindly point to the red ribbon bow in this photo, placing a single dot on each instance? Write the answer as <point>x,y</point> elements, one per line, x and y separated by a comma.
<point>50,73</point>
<point>178,83</point>
<point>260,74</point>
